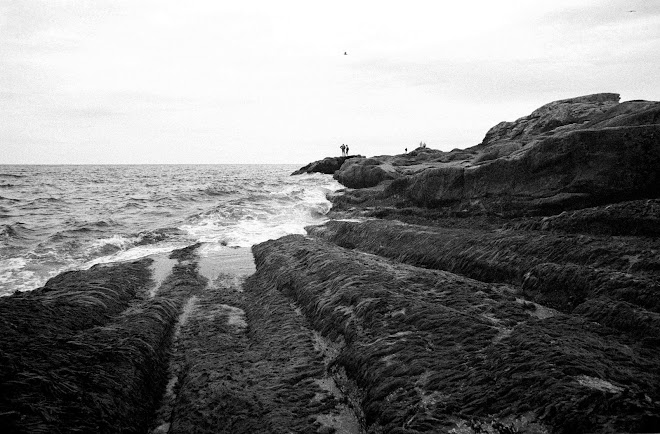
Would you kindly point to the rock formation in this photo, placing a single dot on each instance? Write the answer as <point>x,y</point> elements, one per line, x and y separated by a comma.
<point>568,154</point>
<point>510,287</point>
<point>435,351</point>
<point>328,165</point>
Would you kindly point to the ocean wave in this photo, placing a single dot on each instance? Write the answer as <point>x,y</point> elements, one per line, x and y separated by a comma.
<point>7,231</point>
<point>102,223</point>
<point>116,243</point>
<point>15,230</point>
<point>11,175</point>
<point>102,214</point>
<point>218,191</point>
<point>43,202</point>
<point>78,228</point>
<point>250,220</point>
<point>157,236</point>
<point>14,276</point>
<point>134,205</point>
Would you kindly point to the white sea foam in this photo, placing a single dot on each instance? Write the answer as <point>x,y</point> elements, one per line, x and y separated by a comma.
<point>286,210</point>
<point>119,241</point>
<point>133,254</point>
<point>223,206</point>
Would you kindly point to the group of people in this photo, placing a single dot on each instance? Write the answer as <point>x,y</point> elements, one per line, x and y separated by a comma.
<point>344,150</point>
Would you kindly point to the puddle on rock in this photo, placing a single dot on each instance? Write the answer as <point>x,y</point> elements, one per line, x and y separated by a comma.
<point>161,267</point>
<point>221,264</point>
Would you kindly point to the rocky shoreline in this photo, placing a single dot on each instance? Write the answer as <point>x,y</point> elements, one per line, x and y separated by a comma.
<point>508,287</point>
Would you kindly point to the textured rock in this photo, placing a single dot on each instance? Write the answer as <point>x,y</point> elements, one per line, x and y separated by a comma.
<point>637,217</point>
<point>436,352</point>
<point>104,351</point>
<point>571,112</point>
<point>77,358</point>
<point>566,155</point>
<point>248,364</point>
<point>467,321</point>
<point>328,165</point>
<point>367,172</point>
<point>571,170</point>
<point>560,270</point>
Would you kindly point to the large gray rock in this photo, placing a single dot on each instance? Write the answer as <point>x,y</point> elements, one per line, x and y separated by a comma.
<point>573,169</point>
<point>328,165</point>
<point>367,172</point>
<point>564,113</point>
<point>567,154</point>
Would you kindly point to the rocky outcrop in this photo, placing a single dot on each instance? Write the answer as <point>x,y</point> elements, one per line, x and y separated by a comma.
<point>76,358</point>
<point>558,270</point>
<point>328,165</point>
<point>558,115</point>
<point>539,213</point>
<point>433,351</point>
<point>636,218</point>
<point>367,172</point>
<point>570,170</point>
<point>111,350</point>
<point>566,155</point>
<point>446,310</point>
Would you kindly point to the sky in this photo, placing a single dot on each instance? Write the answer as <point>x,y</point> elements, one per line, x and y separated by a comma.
<point>219,82</point>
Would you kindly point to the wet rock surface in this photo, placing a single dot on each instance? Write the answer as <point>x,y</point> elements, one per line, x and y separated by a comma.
<point>165,345</point>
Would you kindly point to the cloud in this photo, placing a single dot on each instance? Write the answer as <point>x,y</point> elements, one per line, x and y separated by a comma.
<point>223,80</point>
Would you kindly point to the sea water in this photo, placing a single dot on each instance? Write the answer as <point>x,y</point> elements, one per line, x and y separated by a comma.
<point>57,218</point>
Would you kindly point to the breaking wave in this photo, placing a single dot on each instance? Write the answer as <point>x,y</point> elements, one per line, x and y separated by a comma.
<point>83,215</point>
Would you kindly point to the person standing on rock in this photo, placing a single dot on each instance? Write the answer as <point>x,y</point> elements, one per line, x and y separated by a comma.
<point>343,149</point>
<point>347,150</point>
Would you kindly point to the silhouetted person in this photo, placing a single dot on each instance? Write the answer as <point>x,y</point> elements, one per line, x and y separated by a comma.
<point>406,150</point>
<point>343,149</point>
<point>347,150</point>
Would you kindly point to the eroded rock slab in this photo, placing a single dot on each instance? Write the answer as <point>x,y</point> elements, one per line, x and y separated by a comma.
<point>85,353</point>
<point>435,352</point>
<point>245,361</point>
<point>328,165</point>
<point>566,155</point>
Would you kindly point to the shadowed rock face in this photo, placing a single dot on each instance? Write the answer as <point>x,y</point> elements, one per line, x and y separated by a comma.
<point>569,170</point>
<point>328,165</point>
<point>568,154</point>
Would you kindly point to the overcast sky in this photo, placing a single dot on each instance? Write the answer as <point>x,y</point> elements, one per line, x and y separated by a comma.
<point>141,81</point>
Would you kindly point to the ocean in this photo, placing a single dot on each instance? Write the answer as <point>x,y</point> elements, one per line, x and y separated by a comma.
<point>58,218</point>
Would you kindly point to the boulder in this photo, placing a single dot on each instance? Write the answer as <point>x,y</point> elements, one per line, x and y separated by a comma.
<point>566,155</point>
<point>328,165</point>
<point>367,172</point>
<point>569,170</point>
<point>562,113</point>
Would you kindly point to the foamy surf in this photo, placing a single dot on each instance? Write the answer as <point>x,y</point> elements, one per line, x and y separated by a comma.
<point>223,207</point>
